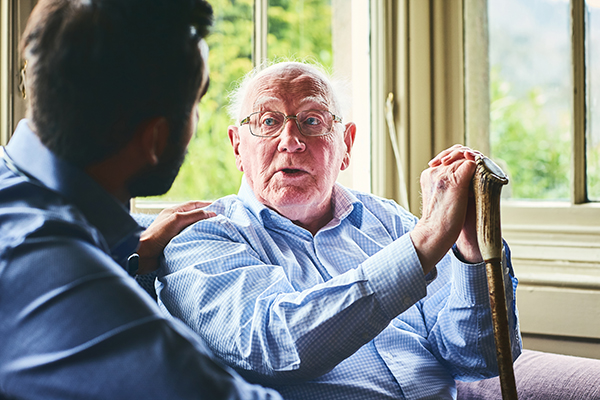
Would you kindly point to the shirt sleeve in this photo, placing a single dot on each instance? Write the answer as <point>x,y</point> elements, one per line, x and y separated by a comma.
<point>454,320</point>
<point>75,325</point>
<point>259,321</point>
<point>457,317</point>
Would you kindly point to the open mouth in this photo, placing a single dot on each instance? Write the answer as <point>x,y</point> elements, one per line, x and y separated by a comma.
<point>291,171</point>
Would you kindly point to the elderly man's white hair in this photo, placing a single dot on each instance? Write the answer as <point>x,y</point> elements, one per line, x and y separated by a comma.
<point>339,88</point>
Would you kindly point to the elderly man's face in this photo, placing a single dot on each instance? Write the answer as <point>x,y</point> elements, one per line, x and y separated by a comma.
<point>291,171</point>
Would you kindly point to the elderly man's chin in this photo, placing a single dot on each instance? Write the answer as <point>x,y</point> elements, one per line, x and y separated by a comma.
<point>292,200</point>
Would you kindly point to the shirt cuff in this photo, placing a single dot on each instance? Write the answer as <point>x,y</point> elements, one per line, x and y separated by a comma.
<point>396,276</point>
<point>460,257</point>
<point>470,281</point>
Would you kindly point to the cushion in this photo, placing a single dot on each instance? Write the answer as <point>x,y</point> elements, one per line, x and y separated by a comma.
<point>542,376</point>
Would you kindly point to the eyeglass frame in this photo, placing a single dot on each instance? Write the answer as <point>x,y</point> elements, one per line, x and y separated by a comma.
<point>286,118</point>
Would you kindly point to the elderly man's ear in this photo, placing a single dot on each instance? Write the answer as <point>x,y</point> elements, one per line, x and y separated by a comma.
<point>349,135</point>
<point>234,138</point>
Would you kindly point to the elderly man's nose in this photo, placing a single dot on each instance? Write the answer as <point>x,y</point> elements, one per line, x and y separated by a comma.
<point>290,138</point>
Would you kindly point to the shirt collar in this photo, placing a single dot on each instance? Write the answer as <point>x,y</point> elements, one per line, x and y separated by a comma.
<point>100,208</point>
<point>257,208</point>
<point>345,204</point>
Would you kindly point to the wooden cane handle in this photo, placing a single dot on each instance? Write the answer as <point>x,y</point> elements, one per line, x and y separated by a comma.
<point>487,185</point>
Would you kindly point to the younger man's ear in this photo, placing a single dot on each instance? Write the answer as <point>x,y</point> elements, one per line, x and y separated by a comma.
<point>153,136</point>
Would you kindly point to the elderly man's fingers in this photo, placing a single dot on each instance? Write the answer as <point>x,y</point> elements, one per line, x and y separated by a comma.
<point>445,192</point>
<point>438,158</point>
<point>453,154</point>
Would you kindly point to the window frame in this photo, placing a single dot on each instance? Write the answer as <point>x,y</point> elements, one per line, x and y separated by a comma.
<point>351,18</point>
<point>558,243</point>
<point>13,18</point>
<point>555,246</point>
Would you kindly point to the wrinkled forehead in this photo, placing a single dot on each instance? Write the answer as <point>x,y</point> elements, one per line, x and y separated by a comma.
<point>288,89</point>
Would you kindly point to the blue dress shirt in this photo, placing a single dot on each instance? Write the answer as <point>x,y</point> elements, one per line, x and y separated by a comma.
<point>344,314</point>
<point>73,324</point>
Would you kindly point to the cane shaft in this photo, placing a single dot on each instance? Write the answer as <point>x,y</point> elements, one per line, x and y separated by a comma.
<point>501,328</point>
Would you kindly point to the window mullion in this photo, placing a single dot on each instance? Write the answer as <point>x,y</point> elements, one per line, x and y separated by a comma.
<point>261,29</point>
<point>477,77</point>
<point>13,18</point>
<point>578,156</point>
<point>5,68</point>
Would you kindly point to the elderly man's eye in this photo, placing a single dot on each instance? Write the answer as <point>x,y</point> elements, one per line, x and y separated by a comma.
<point>313,121</point>
<point>269,121</point>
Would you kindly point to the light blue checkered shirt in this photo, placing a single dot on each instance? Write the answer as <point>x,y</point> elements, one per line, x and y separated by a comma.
<point>346,314</point>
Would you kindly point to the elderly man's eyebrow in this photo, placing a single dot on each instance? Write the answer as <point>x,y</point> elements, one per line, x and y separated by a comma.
<point>315,99</point>
<point>264,100</point>
<point>261,101</point>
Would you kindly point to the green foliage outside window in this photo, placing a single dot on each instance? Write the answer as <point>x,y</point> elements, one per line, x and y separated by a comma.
<point>593,172</point>
<point>297,28</point>
<point>533,150</point>
<point>593,168</point>
<point>300,29</point>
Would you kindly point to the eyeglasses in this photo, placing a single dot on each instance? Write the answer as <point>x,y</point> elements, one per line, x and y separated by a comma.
<point>309,122</point>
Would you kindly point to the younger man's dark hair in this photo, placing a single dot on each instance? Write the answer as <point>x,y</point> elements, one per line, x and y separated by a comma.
<point>97,68</point>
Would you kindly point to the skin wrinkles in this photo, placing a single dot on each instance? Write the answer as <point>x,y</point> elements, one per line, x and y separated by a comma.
<point>291,173</point>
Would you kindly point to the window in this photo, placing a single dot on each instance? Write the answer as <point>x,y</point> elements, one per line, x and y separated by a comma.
<point>593,75</point>
<point>543,115</point>
<point>335,33</point>
<point>291,29</point>
<point>13,17</point>
<point>441,64</point>
<point>531,96</point>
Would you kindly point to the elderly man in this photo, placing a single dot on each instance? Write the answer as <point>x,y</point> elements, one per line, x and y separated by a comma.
<point>113,88</point>
<point>324,292</point>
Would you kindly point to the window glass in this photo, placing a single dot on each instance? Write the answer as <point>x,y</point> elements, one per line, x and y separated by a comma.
<point>209,171</point>
<point>531,96</point>
<point>300,29</point>
<point>593,75</point>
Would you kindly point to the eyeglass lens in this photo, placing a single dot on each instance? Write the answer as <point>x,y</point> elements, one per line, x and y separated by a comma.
<point>310,122</point>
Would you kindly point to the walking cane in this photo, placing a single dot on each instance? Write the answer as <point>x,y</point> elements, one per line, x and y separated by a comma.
<point>487,185</point>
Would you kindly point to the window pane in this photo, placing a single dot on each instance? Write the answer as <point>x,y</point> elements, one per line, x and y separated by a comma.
<point>593,74</point>
<point>531,96</point>
<point>300,29</point>
<point>209,171</point>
